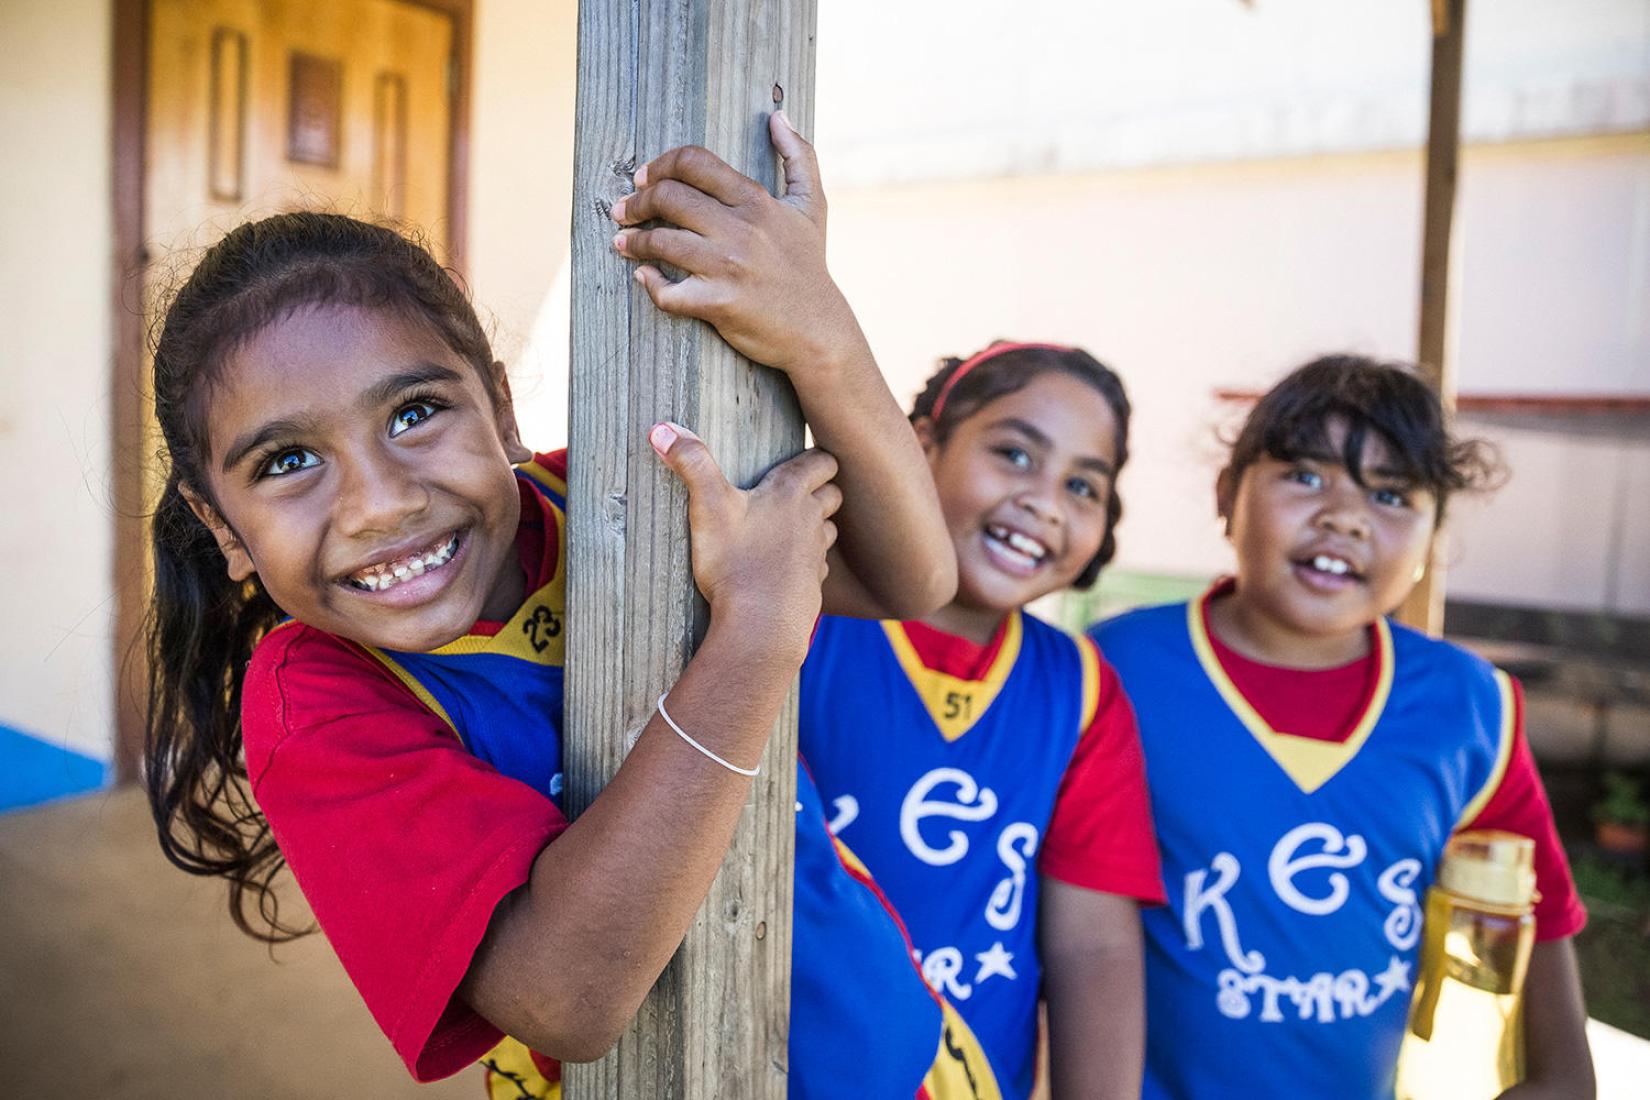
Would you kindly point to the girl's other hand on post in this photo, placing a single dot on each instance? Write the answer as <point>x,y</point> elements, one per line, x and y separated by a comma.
<point>758,554</point>
<point>754,264</point>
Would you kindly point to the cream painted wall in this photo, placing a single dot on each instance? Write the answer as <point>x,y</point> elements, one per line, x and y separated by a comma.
<point>1190,278</point>
<point>56,535</point>
<point>947,89</point>
<point>521,190</point>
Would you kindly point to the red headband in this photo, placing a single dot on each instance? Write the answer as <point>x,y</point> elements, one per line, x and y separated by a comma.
<point>980,357</point>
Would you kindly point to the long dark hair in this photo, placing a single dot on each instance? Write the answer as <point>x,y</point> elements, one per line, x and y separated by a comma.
<point>962,387</point>
<point>1386,399</point>
<point>203,626</point>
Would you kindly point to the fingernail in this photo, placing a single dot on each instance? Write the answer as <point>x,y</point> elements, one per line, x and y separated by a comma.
<point>618,242</point>
<point>640,275</point>
<point>786,119</point>
<point>616,211</point>
<point>641,176</point>
<point>663,437</point>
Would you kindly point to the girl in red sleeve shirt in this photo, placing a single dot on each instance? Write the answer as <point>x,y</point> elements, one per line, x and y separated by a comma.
<point>359,567</point>
<point>1308,760</point>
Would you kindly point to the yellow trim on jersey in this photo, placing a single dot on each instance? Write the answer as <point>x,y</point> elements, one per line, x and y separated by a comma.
<point>849,860</point>
<point>414,685</point>
<point>1310,763</point>
<point>543,475</point>
<point>513,1075</point>
<point>1090,658</point>
<point>1503,752</point>
<point>953,703</point>
<point>960,1070</point>
<point>537,632</point>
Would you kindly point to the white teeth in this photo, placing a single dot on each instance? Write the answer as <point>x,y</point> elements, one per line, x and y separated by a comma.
<point>385,575</point>
<point>1025,546</point>
<point>1326,564</point>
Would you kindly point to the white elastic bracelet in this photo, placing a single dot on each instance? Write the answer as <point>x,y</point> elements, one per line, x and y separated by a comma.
<point>683,734</point>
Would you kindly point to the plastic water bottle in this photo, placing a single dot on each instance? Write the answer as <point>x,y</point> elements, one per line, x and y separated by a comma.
<point>1466,1033</point>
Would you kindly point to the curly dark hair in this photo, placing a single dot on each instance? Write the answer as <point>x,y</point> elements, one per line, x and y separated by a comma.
<point>1368,395</point>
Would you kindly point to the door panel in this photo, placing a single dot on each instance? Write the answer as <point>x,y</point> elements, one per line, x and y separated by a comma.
<point>259,106</point>
<point>211,148</point>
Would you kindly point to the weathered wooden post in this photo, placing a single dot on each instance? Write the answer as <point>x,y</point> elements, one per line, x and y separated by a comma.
<point>1435,347</point>
<point>652,75</point>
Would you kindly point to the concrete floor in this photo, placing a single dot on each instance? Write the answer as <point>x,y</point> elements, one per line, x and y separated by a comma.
<point>123,978</point>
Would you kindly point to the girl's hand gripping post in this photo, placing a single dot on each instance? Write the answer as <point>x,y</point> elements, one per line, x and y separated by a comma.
<point>754,267</point>
<point>759,554</point>
<point>569,957</point>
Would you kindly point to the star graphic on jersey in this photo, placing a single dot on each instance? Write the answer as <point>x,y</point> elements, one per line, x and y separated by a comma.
<point>996,961</point>
<point>1394,979</point>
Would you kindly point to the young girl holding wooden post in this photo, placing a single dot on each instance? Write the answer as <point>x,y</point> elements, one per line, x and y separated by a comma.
<point>361,569</point>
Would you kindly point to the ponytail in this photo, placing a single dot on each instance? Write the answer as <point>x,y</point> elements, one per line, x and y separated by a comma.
<point>201,632</point>
<point>202,625</point>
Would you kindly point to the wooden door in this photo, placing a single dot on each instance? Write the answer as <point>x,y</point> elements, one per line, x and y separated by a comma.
<point>259,106</point>
<point>228,110</point>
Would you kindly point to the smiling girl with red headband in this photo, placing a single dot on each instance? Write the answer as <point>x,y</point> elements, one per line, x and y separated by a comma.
<point>984,765</point>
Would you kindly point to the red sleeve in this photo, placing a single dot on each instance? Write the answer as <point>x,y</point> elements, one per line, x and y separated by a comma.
<point>554,461</point>
<point>1519,805</point>
<point>402,842</point>
<point>1100,836</point>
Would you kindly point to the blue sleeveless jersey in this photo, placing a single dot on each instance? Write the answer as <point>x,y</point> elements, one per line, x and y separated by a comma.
<point>862,1021</point>
<point>945,787</point>
<point>499,692</point>
<point>1296,869</point>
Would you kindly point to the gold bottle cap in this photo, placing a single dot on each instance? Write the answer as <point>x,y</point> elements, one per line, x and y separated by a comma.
<point>1490,866</point>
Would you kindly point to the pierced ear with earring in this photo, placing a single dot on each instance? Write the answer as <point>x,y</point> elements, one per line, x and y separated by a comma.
<point>1420,571</point>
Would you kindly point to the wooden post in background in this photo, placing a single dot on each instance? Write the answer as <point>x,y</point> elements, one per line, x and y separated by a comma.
<point>652,75</point>
<point>1435,346</point>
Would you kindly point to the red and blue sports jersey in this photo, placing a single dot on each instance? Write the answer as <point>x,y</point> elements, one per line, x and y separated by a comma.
<point>499,691</point>
<point>863,1023</point>
<point>1296,868</point>
<point>945,787</point>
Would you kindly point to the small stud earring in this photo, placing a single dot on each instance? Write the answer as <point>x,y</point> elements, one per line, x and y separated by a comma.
<point>1420,571</point>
